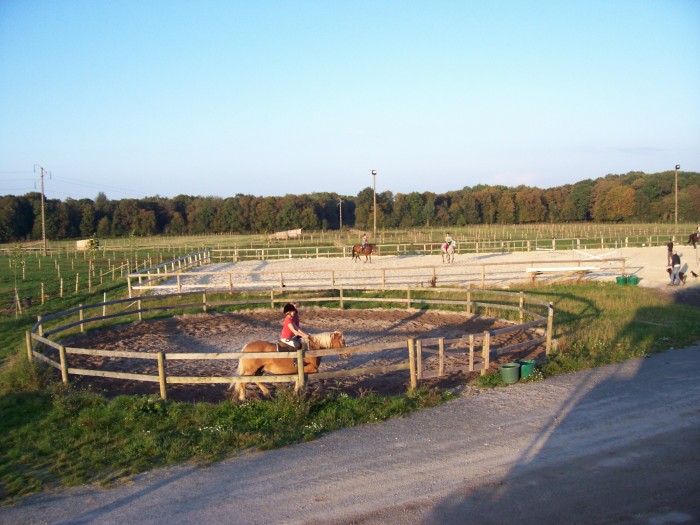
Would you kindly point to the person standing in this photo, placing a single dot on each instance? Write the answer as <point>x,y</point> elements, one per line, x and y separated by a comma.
<point>291,334</point>
<point>675,269</point>
<point>669,252</point>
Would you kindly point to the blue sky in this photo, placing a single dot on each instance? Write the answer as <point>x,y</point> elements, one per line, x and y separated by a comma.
<point>142,98</point>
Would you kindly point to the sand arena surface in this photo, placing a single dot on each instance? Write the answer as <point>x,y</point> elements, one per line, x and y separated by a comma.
<point>501,270</point>
<point>229,332</point>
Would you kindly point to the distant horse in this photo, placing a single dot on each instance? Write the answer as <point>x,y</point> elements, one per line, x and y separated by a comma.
<point>694,238</point>
<point>448,254</point>
<point>358,250</point>
<point>255,366</point>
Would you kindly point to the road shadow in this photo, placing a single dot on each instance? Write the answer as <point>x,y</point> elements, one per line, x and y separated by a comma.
<point>588,463</point>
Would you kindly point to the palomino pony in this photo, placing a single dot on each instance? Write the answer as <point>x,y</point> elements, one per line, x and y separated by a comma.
<point>357,250</point>
<point>255,366</point>
<point>448,254</point>
<point>694,238</point>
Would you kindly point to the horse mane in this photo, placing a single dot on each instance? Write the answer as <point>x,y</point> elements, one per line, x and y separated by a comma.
<point>322,340</point>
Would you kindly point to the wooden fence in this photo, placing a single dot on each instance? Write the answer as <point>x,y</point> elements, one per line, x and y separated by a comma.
<point>477,274</point>
<point>478,346</point>
<point>464,246</point>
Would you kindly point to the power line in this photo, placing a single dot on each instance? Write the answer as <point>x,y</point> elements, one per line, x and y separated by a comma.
<point>97,186</point>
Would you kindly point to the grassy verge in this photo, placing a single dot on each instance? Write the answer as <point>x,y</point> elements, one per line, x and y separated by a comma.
<point>54,435</point>
<point>69,437</point>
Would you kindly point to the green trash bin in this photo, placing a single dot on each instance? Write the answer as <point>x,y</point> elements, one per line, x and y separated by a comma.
<point>621,279</point>
<point>633,280</point>
<point>526,367</point>
<point>510,373</point>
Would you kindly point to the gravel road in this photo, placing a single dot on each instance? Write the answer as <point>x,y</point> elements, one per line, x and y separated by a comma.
<point>618,444</point>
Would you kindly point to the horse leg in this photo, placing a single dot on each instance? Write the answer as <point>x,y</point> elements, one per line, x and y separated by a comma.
<point>263,389</point>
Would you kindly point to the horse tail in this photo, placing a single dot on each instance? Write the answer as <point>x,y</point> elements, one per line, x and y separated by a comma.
<point>239,372</point>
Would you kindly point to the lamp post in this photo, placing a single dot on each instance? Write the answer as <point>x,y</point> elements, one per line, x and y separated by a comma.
<point>678,166</point>
<point>374,176</point>
<point>340,207</point>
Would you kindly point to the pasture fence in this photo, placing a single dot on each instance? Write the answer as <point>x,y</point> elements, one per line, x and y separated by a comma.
<point>171,278</point>
<point>533,316</point>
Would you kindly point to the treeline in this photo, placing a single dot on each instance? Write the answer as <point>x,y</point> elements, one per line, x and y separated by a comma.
<point>634,197</point>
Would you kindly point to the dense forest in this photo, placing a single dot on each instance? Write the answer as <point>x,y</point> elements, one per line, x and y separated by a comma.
<point>633,197</point>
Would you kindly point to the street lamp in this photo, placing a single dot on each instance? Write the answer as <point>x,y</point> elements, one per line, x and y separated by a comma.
<point>340,206</point>
<point>374,176</point>
<point>678,166</point>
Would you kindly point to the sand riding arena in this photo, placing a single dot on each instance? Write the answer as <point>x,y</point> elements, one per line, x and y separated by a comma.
<point>186,346</point>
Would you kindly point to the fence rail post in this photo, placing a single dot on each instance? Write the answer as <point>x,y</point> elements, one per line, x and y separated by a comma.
<point>522,301</point>
<point>161,375</point>
<point>419,359</point>
<point>486,353</point>
<point>412,363</point>
<point>64,364</point>
<point>471,352</point>
<point>300,368</point>
<point>28,339</point>
<point>550,323</point>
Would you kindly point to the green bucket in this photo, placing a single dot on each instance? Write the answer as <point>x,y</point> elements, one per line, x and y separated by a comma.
<point>526,367</point>
<point>633,279</point>
<point>510,373</point>
<point>622,279</point>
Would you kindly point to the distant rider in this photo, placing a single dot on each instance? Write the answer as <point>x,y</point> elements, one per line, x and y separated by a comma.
<point>448,241</point>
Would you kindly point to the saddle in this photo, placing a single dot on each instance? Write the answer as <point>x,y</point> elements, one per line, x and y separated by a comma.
<point>284,347</point>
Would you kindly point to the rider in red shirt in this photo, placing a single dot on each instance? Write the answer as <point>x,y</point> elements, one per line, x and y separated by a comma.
<point>291,333</point>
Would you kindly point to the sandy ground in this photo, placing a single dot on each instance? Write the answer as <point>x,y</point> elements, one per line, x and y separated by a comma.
<point>501,270</point>
<point>229,332</point>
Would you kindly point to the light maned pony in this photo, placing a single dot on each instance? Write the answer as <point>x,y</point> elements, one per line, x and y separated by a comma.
<point>448,255</point>
<point>256,366</point>
<point>357,250</point>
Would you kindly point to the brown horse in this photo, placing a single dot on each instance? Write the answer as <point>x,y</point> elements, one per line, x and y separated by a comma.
<point>693,239</point>
<point>255,366</point>
<point>357,250</point>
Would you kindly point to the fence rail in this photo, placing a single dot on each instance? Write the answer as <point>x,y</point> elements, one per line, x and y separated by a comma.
<point>477,346</point>
<point>363,277</point>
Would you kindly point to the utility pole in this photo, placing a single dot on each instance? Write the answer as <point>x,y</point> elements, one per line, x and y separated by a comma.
<point>678,166</point>
<point>43,218</point>
<point>340,206</point>
<point>374,176</point>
